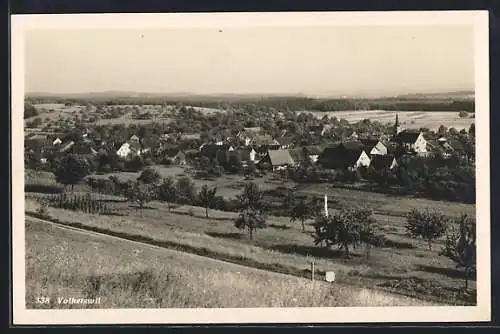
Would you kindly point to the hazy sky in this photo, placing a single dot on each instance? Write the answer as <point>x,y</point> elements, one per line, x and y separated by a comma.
<point>315,60</point>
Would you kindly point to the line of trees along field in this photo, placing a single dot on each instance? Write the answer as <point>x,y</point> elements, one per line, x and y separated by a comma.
<point>281,103</point>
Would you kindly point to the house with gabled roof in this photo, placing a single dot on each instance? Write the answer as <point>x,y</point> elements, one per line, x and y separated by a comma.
<point>132,147</point>
<point>57,141</point>
<point>211,150</point>
<point>346,155</point>
<point>411,140</point>
<point>374,146</point>
<point>278,159</point>
<point>383,162</point>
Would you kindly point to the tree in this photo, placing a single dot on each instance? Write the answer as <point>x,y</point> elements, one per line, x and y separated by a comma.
<point>463,114</point>
<point>29,110</point>
<point>442,130</point>
<point>301,211</point>
<point>348,227</point>
<point>141,193</point>
<point>251,198</point>
<point>71,170</point>
<point>167,192</point>
<point>207,197</point>
<point>149,176</point>
<point>428,225</point>
<point>472,129</point>
<point>186,189</point>
<point>460,245</point>
<point>250,220</point>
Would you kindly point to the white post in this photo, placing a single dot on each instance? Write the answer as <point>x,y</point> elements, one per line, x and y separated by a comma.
<point>326,206</point>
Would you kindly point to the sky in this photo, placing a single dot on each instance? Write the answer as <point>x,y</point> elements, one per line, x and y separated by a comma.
<point>348,60</point>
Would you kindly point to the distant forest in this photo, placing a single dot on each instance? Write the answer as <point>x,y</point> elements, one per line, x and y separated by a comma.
<point>276,102</point>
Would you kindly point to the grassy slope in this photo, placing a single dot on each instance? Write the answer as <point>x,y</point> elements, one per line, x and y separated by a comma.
<point>281,247</point>
<point>61,263</point>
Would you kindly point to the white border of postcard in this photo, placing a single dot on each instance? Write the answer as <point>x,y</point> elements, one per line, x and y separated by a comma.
<point>481,312</point>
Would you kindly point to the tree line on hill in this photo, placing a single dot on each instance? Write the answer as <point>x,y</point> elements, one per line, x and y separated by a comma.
<point>284,103</point>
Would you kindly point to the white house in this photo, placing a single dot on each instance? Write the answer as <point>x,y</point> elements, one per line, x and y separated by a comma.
<point>129,148</point>
<point>57,141</point>
<point>411,141</point>
<point>363,160</point>
<point>374,147</point>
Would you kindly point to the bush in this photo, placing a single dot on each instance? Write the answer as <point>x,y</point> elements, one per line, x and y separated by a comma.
<point>427,225</point>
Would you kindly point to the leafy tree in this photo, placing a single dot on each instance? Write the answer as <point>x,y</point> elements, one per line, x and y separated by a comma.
<point>251,220</point>
<point>207,197</point>
<point>460,245</point>
<point>347,227</point>
<point>167,192</point>
<point>186,189</point>
<point>463,114</point>
<point>301,211</point>
<point>141,193</point>
<point>71,169</point>
<point>442,130</point>
<point>427,225</point>
<point>251,198</point>
<point>149,176</point>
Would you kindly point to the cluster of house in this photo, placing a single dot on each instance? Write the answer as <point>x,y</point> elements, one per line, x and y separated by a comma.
<point>253,145</point>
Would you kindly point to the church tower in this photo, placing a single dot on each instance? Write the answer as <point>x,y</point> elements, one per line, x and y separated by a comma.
<point>397,126</point>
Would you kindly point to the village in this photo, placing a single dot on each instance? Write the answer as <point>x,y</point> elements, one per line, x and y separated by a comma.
<point>295,143</point>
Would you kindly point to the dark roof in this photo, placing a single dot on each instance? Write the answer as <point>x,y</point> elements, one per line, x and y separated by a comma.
<point>456,144</point>
<point>369,143</point>
<point>381,161</point>
<point>352,146</point>
<point>340,156</point>
<point>406,136</point>
<point>210,150</point>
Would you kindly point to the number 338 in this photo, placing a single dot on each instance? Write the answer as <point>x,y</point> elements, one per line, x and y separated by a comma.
<point>42,300</point>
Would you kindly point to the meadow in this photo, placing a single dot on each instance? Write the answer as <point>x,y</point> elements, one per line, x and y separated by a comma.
<point>126,275</point>
<point>403,265</point>
<point>229,186</point>
<point>409,119</point>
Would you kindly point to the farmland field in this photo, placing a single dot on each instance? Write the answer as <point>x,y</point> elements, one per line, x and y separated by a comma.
<point>133,275</point>
<point>409,119</point>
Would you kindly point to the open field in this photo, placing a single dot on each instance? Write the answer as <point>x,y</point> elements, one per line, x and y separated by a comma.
<point>283,247</point>
<point>230,185</point>
<point>127,275</point>
<point>409,119</point>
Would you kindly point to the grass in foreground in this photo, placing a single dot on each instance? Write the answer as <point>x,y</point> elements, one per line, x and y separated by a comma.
<point>62,263</point>
<point>283,247</point>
